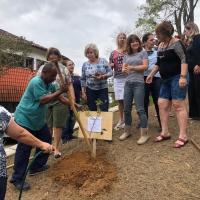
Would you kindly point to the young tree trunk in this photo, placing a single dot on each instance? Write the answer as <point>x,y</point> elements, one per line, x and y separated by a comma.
<point>191,13</point>
<point>177,18</point>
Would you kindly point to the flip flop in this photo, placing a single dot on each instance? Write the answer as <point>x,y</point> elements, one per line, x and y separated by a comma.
<point>162,138</point>
<point>177,145</point>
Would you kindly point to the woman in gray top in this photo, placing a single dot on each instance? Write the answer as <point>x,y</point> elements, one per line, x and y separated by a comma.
<point>134,65</point>
<point>8,125</point>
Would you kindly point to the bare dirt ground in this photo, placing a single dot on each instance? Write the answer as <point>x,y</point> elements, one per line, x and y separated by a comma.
<point>122,171</point>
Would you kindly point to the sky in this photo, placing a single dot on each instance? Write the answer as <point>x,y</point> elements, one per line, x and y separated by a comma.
<point>70,25</point>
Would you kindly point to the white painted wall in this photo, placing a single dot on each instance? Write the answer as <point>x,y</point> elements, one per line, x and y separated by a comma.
<point>37,54</point>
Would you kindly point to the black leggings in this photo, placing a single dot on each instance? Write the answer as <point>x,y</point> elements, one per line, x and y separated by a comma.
<point>3,184</point>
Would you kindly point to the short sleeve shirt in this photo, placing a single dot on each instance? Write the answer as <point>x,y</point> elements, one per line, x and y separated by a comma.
<point>88,73</point>
<point>29,112</point>
<point>66,76</point>
<point>134,60</point>
<point>117,59</point>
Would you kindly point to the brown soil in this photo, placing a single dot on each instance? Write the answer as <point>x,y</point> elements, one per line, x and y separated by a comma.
<point>154,171</point>
<point>86,175</point>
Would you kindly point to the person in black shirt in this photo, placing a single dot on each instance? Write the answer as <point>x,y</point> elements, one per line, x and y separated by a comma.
<point>153,88</point>
<point>171,63</point>
<point>67,133</point>
<point>193,59</point>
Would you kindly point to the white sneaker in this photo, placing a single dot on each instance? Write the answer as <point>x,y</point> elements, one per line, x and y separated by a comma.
<point>126,134</point>
<point>143,139</point>
<point>122,125</point>
<point>119,126</point>
<point>144,136</point>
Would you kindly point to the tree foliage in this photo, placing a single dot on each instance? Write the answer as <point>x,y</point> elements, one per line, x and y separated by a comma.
<point>178,11</point>
<point>13,51</point>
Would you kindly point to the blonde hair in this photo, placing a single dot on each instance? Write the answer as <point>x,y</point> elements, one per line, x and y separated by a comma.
<point>93,47</point>
<point>193,27</point>
<point>120,34</point>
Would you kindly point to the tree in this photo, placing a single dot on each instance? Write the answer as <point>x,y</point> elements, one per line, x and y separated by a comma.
<point>13,50</point>
<point>178,11</point>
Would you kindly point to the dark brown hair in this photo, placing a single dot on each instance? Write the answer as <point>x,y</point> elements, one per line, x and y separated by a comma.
<point>146,37</point>
<point>53,51</point>
<point>130,39</point>
<point>65,61</point>
<point>165,28</point>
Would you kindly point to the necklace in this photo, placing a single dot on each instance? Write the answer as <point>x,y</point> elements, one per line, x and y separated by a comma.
<point>168,42</point>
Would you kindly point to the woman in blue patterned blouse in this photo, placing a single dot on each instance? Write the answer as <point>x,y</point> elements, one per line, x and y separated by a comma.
<point>95,73</point>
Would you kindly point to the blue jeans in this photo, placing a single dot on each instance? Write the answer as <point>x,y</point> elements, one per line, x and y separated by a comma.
<point>134,91</point>
<point>23,153</point>
<point>93,95</point>
<point>152,89</point>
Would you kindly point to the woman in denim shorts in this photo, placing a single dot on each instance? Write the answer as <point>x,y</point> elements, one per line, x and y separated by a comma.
<point>173,70</point>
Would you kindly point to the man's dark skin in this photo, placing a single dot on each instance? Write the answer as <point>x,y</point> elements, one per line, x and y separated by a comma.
<point>48,75</point>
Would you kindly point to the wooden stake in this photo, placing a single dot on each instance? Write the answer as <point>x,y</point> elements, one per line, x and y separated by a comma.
<point>74,110</point>
<point>94,149</point>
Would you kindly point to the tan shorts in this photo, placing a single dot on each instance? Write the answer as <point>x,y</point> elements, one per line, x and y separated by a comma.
<point>57,115</point>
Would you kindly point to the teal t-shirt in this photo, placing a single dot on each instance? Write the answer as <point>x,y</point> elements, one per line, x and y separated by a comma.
<point>29,112</point>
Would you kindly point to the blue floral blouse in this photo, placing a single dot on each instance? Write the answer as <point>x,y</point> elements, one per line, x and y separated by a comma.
<point>5,118</point>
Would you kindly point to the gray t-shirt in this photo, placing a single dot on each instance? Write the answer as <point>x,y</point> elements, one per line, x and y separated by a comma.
<point>134,60</point>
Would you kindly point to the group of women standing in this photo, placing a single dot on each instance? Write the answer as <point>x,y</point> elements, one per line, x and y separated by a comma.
<point>141,70</point>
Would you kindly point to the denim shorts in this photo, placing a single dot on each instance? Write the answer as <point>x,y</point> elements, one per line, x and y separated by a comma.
<point>170,89</point>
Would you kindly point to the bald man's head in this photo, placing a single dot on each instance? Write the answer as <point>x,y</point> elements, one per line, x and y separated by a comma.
<point>49,72</point>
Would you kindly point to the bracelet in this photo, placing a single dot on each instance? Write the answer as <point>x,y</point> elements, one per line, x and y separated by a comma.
<point>182,76</point>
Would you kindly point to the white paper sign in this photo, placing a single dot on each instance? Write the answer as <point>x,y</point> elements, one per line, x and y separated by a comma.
<point>94,124</point>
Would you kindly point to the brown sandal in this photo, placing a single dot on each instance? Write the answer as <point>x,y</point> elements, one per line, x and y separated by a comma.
<point>162,138</point>
<point>177,145</point>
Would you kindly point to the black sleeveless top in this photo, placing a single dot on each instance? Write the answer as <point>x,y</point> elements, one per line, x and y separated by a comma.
<point>169,60</point>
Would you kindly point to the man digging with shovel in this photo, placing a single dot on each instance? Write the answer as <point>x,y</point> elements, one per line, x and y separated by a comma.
<point>30,114</point>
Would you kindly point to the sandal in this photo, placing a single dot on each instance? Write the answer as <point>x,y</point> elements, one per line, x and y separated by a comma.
<point>178,145</point>
<point>161,138</point>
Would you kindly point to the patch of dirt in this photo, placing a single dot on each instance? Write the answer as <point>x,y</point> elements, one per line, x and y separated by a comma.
<point>87,175</point>
<point>154,171</point>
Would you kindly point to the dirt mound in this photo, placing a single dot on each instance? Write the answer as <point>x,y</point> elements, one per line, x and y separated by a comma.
<point>88,176</point>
